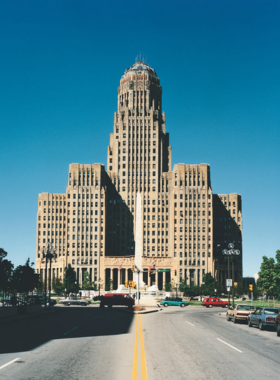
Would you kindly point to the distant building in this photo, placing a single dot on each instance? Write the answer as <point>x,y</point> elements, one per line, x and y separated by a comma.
<point>185,225</point>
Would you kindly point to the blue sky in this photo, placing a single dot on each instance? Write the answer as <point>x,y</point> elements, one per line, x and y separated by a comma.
<point>218,62</point>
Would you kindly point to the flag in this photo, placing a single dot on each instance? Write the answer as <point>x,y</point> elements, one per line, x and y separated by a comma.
<point>120,267</point>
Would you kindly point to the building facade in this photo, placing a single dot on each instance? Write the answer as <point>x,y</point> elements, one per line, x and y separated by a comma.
<point>185,226</point>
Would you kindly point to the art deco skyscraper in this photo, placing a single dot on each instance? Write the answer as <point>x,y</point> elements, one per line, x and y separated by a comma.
<point>183,222</point>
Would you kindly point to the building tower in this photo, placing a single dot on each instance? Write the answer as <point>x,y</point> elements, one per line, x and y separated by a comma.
<point>93,225</point>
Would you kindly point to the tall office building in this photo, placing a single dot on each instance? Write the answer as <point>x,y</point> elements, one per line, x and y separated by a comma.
<point>185,226</point>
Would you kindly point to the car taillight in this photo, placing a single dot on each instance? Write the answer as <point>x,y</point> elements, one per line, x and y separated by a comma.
<point>243,314</point>
<point>269,319</point>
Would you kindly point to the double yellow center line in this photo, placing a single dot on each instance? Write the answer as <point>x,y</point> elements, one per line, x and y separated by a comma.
<point>138,323</point>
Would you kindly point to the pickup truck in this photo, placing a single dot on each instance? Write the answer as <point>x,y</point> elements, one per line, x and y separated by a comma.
<point>111,299</point>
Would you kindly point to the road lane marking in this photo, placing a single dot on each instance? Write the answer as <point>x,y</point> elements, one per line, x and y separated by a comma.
<point>70,330</point>
<point>135,356</point>
<point>5,365</point>
<point>230,345</point>
<point>143,357</point>
<point>190,323</point>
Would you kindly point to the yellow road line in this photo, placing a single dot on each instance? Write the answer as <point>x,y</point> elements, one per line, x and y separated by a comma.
<point>135,356</point>
<point>143,358</point>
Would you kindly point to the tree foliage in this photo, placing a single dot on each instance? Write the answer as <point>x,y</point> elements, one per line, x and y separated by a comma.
<point>168,287</point>
<point>58,286</point>
<point>183,286</point>
<point>269,275</point>
<point>24,278</point>
<point>6,270</point>
<point>109,285</point>
<point>70,282</point>
<point>209,284</point>
<point>87,284</point>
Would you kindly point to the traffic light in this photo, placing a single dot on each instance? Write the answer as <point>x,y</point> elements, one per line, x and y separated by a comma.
<point>251,287</point>
<point>175,272</point>
<point>150,273</point>
<point>132,267</point>
<point>126,284</point>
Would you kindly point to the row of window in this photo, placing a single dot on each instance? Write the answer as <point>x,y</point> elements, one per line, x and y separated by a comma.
<point>192,196</point>
<point>192,262</point>
<point>192,254</point>
<point>190,229</point>
<point>192,221</point>
<point>85,196</point>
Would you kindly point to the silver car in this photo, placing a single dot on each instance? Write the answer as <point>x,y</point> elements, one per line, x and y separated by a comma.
<point>74,301</point>
<point>263,317</point>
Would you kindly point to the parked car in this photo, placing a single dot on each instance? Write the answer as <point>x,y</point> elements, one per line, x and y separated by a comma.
<point>7,300</point>
<point>32,299</point>
<point>263,317</point>
<point>173,302</point>
<point>239,312</point>
<point>277,325</point>
<point>74,301</point>
<point>111,299</point>
<point>210,302</point>
<point>174,298</point>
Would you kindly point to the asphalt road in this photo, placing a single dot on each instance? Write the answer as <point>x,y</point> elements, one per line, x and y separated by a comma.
<point>78,343</point>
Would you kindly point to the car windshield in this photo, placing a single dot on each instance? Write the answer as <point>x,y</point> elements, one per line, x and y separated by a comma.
<point>245,307</point>
<point>271,311</point>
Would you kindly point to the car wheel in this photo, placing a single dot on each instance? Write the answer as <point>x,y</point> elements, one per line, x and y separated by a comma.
<point>210,305</point>
<point>69,304</point>
<point>249,322</point>
<point>261,327</point>
<point>165,304</point>
<point>182,305</point>
<point>228,318</point>
<point>234,320</point>
<point>278,329</point>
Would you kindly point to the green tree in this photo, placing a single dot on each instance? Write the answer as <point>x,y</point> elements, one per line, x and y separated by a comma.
<point>24,278</point>
<point>209,284</point>
<point>267,281</point>
<point>70,282</point>
<point>277,272</point>
<point>239,291</point>
<point>57,286</point>
<point>168,287</point>
<point>87,284</point>
<point>6,270</point>
<point>109,285</point>
<point>183,286</point>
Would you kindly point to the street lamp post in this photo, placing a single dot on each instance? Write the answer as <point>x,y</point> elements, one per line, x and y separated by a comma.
<point>231,253</point>
<point>48,253</point>
<point>202,283</point>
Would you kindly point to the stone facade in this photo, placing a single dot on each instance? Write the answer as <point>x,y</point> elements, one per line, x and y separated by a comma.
<point>184,225</point>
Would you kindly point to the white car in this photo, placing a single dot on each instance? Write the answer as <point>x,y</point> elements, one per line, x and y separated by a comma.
<point>74,301</point>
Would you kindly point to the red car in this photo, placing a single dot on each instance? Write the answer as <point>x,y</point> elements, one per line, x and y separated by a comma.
<point>210,302</point>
